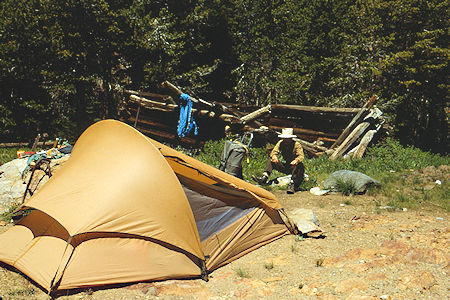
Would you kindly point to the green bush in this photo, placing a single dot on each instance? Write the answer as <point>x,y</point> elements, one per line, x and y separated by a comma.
<point>346,187</point>
<point>8,154</point>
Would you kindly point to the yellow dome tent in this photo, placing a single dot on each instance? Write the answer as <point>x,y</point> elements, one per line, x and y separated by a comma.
<point>125,208</point>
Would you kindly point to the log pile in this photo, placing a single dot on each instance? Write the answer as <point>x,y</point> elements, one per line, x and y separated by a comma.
<point>321,130</point>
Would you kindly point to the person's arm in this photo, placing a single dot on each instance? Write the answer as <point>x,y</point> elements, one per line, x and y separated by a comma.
<point>300,156</point>
<point>275,153</point>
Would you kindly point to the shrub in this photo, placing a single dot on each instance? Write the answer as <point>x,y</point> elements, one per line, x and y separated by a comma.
<point>268,266</point>
<point>242,273</point>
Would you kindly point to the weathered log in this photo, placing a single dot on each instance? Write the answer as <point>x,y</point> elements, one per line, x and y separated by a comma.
<point>168,136</point>
<point>254,124</point>
<point>330,124</point>
<point>23,144</point>
<point>164,98</point>
<point>355,121</point>
<point>256,114</point>
<point>314,109</point>
<point>152,124</point>
<point>356,133</point>
<point>230,119</point>
<point>153,104</point>
<point>311,145</point>
<point>303,131</point>
<point>36,141</point>
<point>227,118</point>
<point>176,90</point>
<point>365,141</point>
<point>308,147</point>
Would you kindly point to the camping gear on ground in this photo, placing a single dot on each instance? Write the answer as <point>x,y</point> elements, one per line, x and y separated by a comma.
<point>23,153</point>
<point>234,151</point>
<point>318,191</point>
<point>359,181</point>
<point>140,211</point>
<point>43,167</point>
<point>306,222</point>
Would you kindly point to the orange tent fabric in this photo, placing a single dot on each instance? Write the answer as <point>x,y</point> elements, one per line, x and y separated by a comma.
<point>125,208</point>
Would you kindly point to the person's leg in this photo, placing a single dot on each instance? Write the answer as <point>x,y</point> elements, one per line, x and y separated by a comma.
<point>281,167</point>
<point>298,173</point>
<point>265,176</point>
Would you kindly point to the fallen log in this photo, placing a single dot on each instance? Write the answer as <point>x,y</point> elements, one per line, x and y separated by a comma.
<point>168,136</point>
<point>256,114</point>
<point>329,124</point>
<point>227,118</point>
<point>356,133</point>
<point>355,121</point>
<point>303,131</point>
<point>153,104</point>
<point>151,123</point>
<point>232,119</point>
<point>177,91</point>
<point>254,124</point>
<point>314,109</point>
<point>164,98</point>
<point>313,149</point>
<point>24,144</point>
<point>365,141</point>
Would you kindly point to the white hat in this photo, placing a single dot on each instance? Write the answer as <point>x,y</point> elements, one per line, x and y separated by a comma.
<point>287,133</point>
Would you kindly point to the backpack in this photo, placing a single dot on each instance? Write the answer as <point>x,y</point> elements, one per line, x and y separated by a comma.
<point>233,153</point>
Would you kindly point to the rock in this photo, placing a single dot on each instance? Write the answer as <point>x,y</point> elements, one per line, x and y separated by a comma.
<point>351,284</point>
<point>12,187</point>
<point>359,181</point>
<point>420,280</point>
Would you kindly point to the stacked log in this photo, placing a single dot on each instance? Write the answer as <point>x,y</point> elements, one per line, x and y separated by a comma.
<point>320,130</point>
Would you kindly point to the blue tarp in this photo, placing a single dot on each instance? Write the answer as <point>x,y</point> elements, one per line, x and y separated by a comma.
<point>186,123</point>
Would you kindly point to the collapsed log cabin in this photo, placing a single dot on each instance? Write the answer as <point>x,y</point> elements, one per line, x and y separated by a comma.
<point>321,130</point>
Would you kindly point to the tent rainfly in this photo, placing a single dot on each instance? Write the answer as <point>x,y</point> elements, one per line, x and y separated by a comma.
<point>125,208</point>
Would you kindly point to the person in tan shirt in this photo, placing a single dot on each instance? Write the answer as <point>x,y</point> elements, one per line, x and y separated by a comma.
<point>292,154</point>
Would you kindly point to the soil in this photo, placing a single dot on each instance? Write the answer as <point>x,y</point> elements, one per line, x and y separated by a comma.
<point>367,253</point>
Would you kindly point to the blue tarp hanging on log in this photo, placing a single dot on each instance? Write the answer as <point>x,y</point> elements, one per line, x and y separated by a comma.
<point>186,123</point>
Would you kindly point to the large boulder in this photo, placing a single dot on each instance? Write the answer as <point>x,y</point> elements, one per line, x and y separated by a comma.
<point>12,187</point>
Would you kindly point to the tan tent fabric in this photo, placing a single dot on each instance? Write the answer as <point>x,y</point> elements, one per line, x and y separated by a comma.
<point>188,166</point>
<point>242,237</point>
<point>118,211</point>
<point>117,182</point>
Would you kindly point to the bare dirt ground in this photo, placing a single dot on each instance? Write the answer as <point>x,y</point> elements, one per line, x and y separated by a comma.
<point>368,253</point>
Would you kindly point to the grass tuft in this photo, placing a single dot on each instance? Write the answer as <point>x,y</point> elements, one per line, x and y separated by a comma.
<point>242,273</point>
<point>346,187</point>
<point>268,266</point>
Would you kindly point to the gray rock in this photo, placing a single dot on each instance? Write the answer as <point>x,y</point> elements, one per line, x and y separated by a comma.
<point>11,185</point>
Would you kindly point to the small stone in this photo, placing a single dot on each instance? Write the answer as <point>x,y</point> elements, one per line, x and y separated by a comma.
<point>440,219</point>
<point>342,204</point>
<point>151,291</point>
<point>405,209</point>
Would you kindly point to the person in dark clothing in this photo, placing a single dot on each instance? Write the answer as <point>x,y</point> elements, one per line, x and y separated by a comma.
<point>292,154</point>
